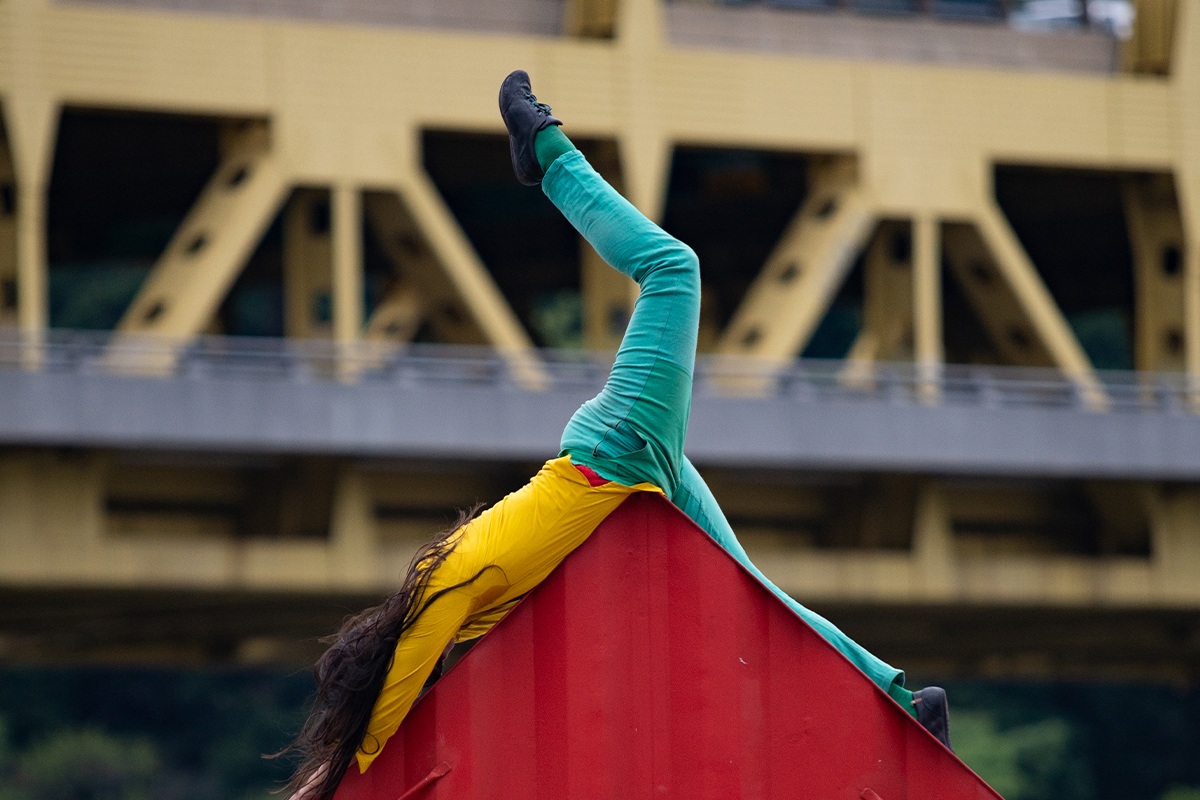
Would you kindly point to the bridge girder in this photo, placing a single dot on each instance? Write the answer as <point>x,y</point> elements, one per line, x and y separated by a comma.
<point>336,125</point>
<point>923,140</point>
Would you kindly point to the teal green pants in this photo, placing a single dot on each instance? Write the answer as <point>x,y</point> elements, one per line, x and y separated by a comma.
<point>633,431</point>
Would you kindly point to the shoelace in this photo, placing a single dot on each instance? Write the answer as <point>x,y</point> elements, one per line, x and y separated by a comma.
<point>540,108</point>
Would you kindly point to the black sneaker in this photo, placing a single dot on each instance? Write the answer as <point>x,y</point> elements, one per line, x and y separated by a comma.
<point>524,116</point>
<point>933,712</point>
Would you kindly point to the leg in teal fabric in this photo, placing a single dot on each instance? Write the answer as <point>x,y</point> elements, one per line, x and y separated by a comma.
<point>694,498</point>
<point>633,430</point>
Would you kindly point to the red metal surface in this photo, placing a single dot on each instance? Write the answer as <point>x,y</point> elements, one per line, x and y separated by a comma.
<point>649,665</point>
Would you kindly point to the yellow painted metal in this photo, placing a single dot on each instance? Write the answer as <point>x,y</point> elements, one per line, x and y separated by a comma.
<point>888,307</point>
<point>421,290</point>
<point>1175,534</point>
<point>334,116</point>
<point>30,120</point>
<point>801,276</point>
<point>991,297</point>
<point>926,135</point>
<point>927,304</point>
<point>423,239</point>
<point>933,541</point>
<point>924,138</point>
<point>204,257</point>
<point>1156,237</point>
<point>591,19</point>
<point>888,298</point>
<point>1187,174</point>
<point>52,520</point>
<point>397,318</point>
<point>1191,277</point>
<point>353,535</point>
<point>59,527</point>
<point>927,290</point>
<point>1123,510</point>
<point>469,277</point>
<point>8,235</point>
<point>347,264</point>
<point>307,256</point>
<point>1148,50</point>
<point>1038,307</point>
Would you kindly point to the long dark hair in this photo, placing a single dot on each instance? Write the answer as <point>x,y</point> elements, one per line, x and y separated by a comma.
<point>351,672</point>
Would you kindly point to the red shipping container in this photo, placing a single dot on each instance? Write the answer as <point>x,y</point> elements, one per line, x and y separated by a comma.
<point>652,665</point>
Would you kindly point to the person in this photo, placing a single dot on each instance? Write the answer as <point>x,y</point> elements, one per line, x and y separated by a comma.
<point>627,439</point>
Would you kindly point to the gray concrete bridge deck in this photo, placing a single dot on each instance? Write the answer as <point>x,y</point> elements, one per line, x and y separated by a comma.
<point>268,396</point>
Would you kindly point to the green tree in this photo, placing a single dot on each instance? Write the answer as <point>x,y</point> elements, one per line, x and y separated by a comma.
<point>1178,792</point>
<point>83,764</point>
<point>1039,760</point>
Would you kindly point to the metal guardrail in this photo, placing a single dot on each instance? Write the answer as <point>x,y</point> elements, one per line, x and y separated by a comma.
<point>1114,16</point>
<point>806,381</point>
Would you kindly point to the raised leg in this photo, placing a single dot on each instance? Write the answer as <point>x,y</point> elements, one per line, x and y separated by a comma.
<point>633,431</point>
<point>694,498</point>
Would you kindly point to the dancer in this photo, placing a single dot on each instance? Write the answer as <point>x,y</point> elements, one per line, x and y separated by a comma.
<point>627,439</point>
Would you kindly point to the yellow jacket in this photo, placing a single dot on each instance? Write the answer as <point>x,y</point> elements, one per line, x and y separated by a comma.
<point>513,546</point>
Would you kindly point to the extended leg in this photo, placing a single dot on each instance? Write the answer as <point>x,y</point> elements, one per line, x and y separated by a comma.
<point>633,431</point>
<point>638,420</point>
<point>694,498</point>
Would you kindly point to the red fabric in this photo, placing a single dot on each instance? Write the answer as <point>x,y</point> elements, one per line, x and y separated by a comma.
<point>590,474</point>
<point>652,665</point>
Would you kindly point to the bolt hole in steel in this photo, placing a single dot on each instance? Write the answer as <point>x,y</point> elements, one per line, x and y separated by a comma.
<point>238,177</point>
<point>1172,260</point>
<point>196,245</point>
<point>981,272</point>
<point>154,312</point>
<point>751,338</point>
<point>1018,338</point>
<point>451,314</point>
<point>789,273</point>
<point>1174,341</point>
<point>827,208</point>
<point>409,244</point>
<point>901,248</point>
<point>318,218</point>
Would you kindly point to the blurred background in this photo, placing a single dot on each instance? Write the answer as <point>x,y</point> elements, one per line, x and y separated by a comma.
<point>273,308</point>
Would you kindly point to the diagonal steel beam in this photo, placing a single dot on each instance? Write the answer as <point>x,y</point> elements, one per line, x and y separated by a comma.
<point>1045,320</point>
<point>801,276</point>
<point>887,327</point>
<point>469,277</point>
<point>8,234</point>
<point>307,255</point>
<point>422,292</point>
<point>211,246</point>
<point>1156,236</point>
<point>30,121</point>
<point>1189,202</point>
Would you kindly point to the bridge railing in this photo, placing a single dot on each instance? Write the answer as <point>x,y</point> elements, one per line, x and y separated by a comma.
<point>218,358</point>
<point>1114,16</point>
